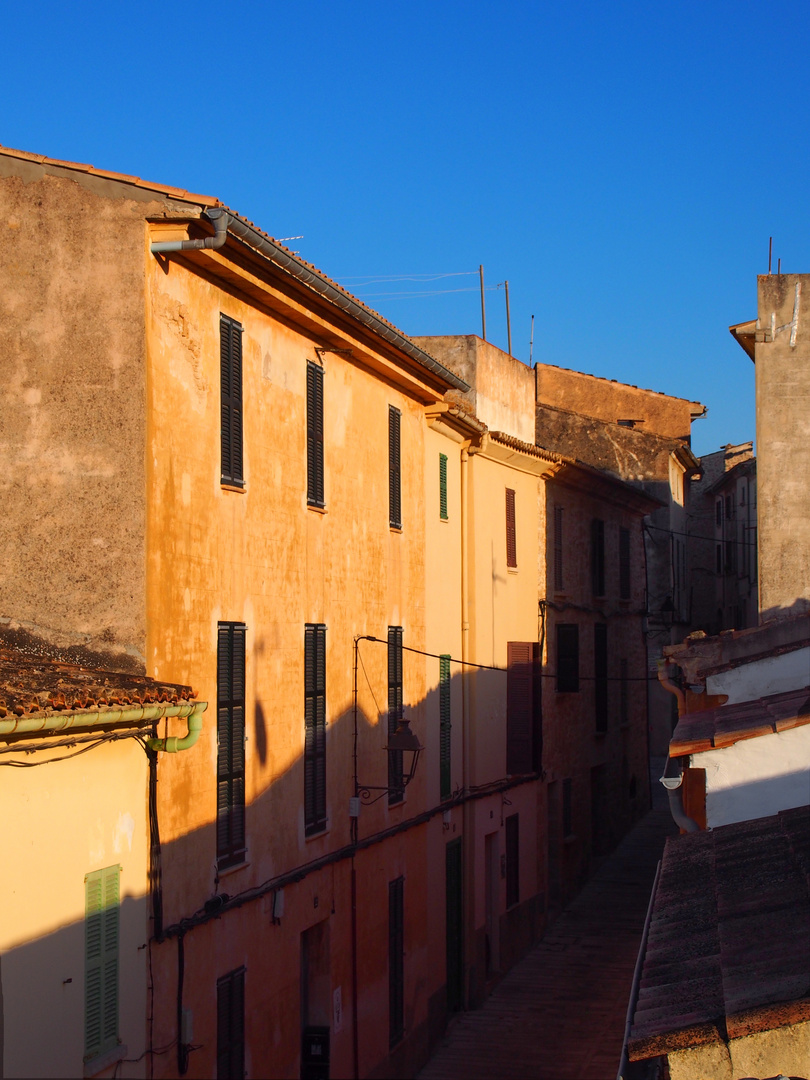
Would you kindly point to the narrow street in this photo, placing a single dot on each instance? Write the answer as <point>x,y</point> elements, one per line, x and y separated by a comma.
<point>560,1013</point>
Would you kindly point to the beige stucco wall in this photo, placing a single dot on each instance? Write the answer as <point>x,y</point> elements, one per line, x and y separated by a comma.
<point>62,821</point>
<point>783,444</point>
<point>784,1050</point>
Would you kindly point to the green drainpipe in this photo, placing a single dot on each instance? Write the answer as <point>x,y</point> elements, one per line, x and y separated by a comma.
<point>64,721</point>
<point>173,744</point>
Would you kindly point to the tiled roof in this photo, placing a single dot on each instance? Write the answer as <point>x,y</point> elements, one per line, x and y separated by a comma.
<point>728,952</point>
<point>39,686</point>
<point>629,386</point>
<point>714,728</point>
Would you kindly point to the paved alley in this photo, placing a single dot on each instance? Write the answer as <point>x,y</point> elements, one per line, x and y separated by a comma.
<point>560,1013</point>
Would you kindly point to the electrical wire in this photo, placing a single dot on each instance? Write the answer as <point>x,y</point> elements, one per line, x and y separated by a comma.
<point>67,757</point>
<point>698,536</point>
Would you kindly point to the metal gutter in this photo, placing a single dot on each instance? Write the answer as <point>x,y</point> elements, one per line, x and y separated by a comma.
<point>225,222</point>
<point>67,720</point>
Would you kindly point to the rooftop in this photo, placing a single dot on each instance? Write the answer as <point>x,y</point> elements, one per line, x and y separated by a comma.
<point>728,951</point>
<point>713,729</point>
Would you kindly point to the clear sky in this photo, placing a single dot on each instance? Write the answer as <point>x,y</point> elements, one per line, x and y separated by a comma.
<point>622,164</point>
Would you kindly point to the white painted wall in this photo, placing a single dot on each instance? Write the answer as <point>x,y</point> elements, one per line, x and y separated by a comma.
<point>756,777</point>
<point>773,675</point>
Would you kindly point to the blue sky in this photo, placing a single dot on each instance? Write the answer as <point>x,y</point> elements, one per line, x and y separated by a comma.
<point>621,164</point>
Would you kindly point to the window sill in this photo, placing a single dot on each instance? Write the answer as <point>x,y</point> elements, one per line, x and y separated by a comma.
<point>234,487</point>
<point>317,834</point>
<point>226,871</point>
<point>570,839</point>
<point>103,1061</point>
<point>317,509</point>
<point>512,570</point>
<point>395,528</point>
<point>599,734</point>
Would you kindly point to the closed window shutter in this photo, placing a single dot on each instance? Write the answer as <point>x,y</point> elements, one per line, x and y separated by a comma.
<point>511,538</point>
<point>444,726</point>
<point>598,557</point>
<point>519,707</point>
<point>231,1026</point>
<point>624,563</point>
<point>315,495</point>
<point>443,486</point>
<point>624,686</point>
<point>394,466</point>
<point>230,744</point>
<point>396,957</point>
<point>558,548</point>
<point>314,727</point>
<point>600,684</point>
<point>567,657</point>
<point>230,352</point>
<point>512,824</point>
<point>101,960</point>
<point>396,791</point>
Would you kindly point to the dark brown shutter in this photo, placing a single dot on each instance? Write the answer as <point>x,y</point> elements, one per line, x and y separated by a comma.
<point>519,707</point>
<point>395,793</point>
<point>315,496</point>
<point>230,743</point>
<point>558,548</point>
<point>567,657</point>
<point>231,1026</point>
<point>396,958</point>
<point>598,557</point>
<point>394,467</point>
<point>511,538</point>
<point>600,685</point>
<point>512,825</point>
<point>624,564</point>
<point>230,353</point>
<point>314,727</point>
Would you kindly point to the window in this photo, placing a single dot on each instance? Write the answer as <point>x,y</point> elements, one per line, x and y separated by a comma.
<point>314,434</point>
<point>600,684</point>
<point>567,810</point>
<point>718,512</point>
<point>567,657</point>
<point>519,706</point>
<point>512,860</point>
<point>718,559</point>
<point>444,726</point>
<point>231,1025</point>
<point>598,557</point>
<point>314,728</point>
<point>624,697</point>
<point>396,791</point>
<point>558,548</point>
<point>101,918</point>
<point>729,507</point>
<point>511,536</point>
<point>230,744</point>
<point>396,958</point>
<point>230,354</point>
<point>394,464</point>
<point>624,564</point>
<point>443,487</point>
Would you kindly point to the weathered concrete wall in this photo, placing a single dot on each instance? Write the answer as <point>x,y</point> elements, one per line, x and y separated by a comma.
<point>72,422</point>
<point>783,443</point>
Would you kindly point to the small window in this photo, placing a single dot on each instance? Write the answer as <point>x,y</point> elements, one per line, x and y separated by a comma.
<point>394,468</point>
<point>567,657</point>
<point>567,808</point>
<point>718,559</point>
<point>230,353</point>
<point>600,684</point>
<point>101,946</point>
<point>511,535</point>
<point>396,961</point>
<point>314,728</point>
<point>231,1025</point>
<point>314,434</point>
<point>444,726</point>
<point>598,557</point>
<point>512,825</point>
<point>519,706</point>
<point>396,790</point>
<point>230,744</point>
<point>718,512</point>
<point>624,564</point>
<point>443,486</point>
<point>558,548</point>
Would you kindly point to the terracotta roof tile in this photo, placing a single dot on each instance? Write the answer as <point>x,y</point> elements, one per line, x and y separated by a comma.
<point>728,724</point>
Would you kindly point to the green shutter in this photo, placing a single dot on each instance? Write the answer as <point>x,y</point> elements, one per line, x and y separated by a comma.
<point>444,726</point>
<point>443,486</point>
<point>101,961</point>
<point>394,469</point>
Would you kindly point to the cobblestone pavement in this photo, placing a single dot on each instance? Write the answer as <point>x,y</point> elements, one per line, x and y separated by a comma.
<point>559,1014</point>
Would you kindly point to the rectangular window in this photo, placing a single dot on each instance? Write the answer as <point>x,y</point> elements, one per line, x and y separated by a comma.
<point>101,938</point>
<point>231,1025</point>
<point>511,535</point>
<point>396,962</point>
<point>567,809</point>
<point>396,791</point>
<point>598,557</point>
<point>512,860</point>
<point>567,657</point>
<point>600,684</point>
<point>230,744</point>
<point>444,726</point>
<point>314,728</point>
<point>394,469</point>
<point>558,548</point>
<point>519,706</point>
<point>718,559</point>
<point>624,564</point>
<point>624,694</point>
<point>718,512</point>
<point>230,355</point>
<point>443,486</point>
<point>314,434</point>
